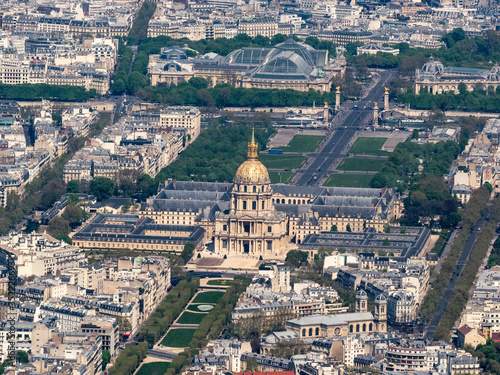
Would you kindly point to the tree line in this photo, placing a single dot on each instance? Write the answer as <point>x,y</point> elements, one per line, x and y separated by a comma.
<point>197,91</point>
<point>46,188</point>
<point>477,100</point>
<point>471,216</point>
<point>37,91</point>
<point>139,29</point>
<point>155,327</point>
<point>429,195</point>
<point>211,326</point>
<point>488,355</point>
<point>460,294</point>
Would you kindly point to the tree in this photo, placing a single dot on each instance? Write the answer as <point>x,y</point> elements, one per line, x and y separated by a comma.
<point>59,226</point>
<point>32,226</point>
<point>22,356</point>
<point>488,186</point>
<point>187,252</point>
<point>73,214</point>
<point>106,358</point>
<point>462,88</point>
<point>348,228</point>
<point>198,83</point>
<point>102,188</point>
<point>252,365</point>
<point>386,242</point>
<point>333,228</point>
<point>387,228</point>
<point>294,258</point>
<point>73,186</point>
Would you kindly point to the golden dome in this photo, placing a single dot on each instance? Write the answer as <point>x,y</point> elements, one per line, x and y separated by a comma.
<point>252,171</point>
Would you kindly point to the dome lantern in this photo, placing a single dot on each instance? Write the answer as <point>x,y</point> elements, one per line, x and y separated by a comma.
<point>252,171</point>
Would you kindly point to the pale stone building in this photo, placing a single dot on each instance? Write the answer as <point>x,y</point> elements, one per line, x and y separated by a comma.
<point>252,226</point>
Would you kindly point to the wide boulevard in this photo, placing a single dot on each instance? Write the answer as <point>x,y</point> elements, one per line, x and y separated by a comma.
<point>332,149</point>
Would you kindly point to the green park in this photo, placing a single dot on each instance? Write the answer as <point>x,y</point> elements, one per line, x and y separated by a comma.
<point>178,337</point>
<point>153,368</point>
<point>282,161</point>
<point>303,143</point>
<point>188,317</point>
<point>368,146</point>
<point>208,297</point>
<point>348,180</point>
<point>284,178</point>
<point>361,164</point>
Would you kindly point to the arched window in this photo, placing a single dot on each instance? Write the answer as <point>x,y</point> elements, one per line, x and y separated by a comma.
<point>357,327</point>
<point>289,201</point>
<point>364,327</point>
<point>255,189</point>
<point>310,331</point>
<point>317,331</point>
<point>370,327</point>
<point>304,332</point>
<point>351,329</point>
<point>363,304</point>
<point>382,309</point>
<point>254,205</point>
<point>294,201</point>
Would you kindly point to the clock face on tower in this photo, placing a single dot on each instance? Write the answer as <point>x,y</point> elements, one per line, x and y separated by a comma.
<point>336,331</point>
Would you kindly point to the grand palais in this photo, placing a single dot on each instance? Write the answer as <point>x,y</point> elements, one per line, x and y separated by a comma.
<point>288,65</point>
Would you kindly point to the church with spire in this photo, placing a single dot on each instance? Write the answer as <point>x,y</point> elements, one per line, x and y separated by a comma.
<point>252,225</point>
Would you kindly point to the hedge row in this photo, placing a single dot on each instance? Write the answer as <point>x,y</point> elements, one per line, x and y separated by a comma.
<point>460,294</point>
<point>472,214</point>
<point>211,326</point>
<point>156,326</point>
<point>129,359</point>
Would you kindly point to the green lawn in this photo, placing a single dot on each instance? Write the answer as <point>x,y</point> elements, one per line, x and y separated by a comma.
<point>303,143</point>
<point>349,180</point>
<point>285,177</point>
<point>191,318</point>
<point>361,164</point>
<point>178,338</point>
<point>368,146</point>
<point>154,368</point>
<point>208,297</point>
<point>282,161</point>
<point>194,307</point>
<point>219,282</point>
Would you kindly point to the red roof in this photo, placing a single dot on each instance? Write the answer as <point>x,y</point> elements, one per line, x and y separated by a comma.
<point>464,329</point>
<point>496,337</point>
<point>265,373</point>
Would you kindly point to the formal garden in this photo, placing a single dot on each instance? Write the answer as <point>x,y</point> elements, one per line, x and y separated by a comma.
<point>178,337</point>
<point>303,143</point>
<point>361,164</point>
<point>208,297</point>
<point>153,368</point>
<point>368,146</point>
<point>348,180</point>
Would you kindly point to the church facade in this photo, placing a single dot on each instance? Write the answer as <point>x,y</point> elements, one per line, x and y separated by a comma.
<point>252,225</point>
<point>339,325</point>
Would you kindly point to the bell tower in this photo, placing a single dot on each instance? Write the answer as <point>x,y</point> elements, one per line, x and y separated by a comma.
<point>380,314</point>
<point>361,301</point>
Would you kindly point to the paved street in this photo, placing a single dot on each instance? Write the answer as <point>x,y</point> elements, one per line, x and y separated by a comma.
<point>332,148</point>
<point>445,300</point>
